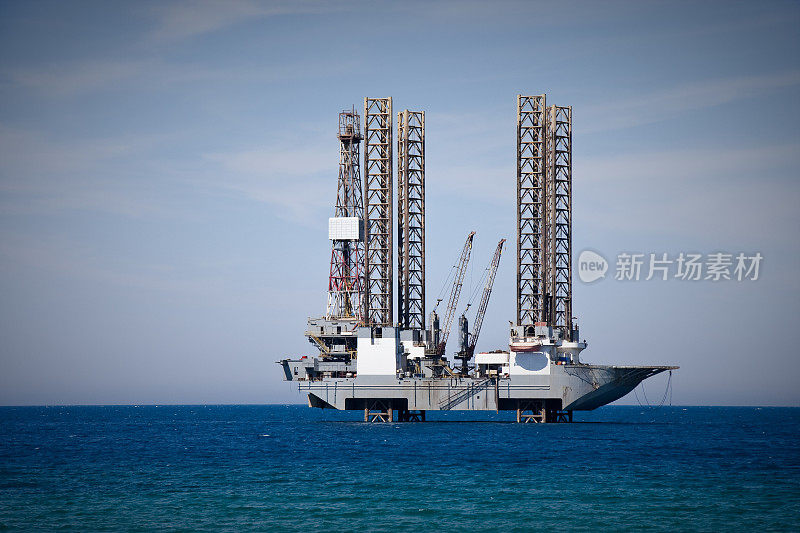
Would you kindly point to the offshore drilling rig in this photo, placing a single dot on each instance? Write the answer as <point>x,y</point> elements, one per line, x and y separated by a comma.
<point>398,369</point>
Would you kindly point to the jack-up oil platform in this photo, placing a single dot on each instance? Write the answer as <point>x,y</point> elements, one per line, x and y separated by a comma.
<point>397,369</point>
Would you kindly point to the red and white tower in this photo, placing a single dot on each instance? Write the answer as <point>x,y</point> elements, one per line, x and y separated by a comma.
<point>346,227</point>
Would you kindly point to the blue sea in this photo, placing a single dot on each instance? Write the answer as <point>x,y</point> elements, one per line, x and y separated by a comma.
<point>276,467</point>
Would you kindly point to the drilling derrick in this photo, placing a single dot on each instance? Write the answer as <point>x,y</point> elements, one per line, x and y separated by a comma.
<point>378,211</point>
<point>345,284</point>
<point>559,225</point>
<point>531,260</point>
<point>411,219</point>
<point>544,214</point>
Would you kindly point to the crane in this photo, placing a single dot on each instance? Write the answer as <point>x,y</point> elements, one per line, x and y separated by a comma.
<point>471,339</point>
<point>455,293</point>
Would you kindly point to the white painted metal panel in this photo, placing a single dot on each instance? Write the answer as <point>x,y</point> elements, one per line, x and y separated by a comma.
<point>414,352</point>
<point>491,358</point>
<point>378,356</point>
<point>530,363</point>
<point>344,228</point>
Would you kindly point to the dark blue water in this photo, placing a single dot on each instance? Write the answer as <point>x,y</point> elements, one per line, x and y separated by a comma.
<point>292,468</point>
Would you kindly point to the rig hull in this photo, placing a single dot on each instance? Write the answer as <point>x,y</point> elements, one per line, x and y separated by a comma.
<point>391,372</point>
<point>567,388</point>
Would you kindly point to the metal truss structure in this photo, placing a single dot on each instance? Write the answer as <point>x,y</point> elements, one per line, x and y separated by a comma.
<point>455,292</point>
<point>345,283</point>
<point>559,220</point>
<point>468,345</point>
<point>487,293</point>
<point>411,219</point>
<point>544,213</point>
<point>531,174</point>
<point>378,301</point>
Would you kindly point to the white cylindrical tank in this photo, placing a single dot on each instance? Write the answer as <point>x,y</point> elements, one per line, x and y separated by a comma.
<point>571,351</point>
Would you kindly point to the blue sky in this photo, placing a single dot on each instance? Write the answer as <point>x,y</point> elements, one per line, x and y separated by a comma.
<point>167,169</point>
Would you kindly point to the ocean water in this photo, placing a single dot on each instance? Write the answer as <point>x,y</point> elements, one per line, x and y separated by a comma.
<point>280,467</point>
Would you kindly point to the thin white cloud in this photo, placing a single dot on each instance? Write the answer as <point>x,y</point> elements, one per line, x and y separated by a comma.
<point>298,183</point>
<point>42,176</point>
<point>746,196</point>
<point>175,21</point>
<point>716,166</point>
<point>71,257</point>
<point>71,79</point>
<point>621,113</point>
<point>470,154</point>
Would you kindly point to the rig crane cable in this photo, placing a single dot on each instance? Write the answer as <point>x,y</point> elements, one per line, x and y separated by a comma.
<point>478,286</point>
<point>445,284</point>
<point>667,392</point>
<point>487,293</point>
<point>455,292</point>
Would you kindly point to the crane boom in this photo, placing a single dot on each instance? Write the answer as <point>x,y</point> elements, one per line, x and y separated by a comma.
<point>455,292</point>
<point>487,292</point>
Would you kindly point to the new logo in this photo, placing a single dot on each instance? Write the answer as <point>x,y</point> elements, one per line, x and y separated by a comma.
<point>591,266</point>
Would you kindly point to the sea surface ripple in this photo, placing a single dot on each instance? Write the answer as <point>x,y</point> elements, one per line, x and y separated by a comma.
<point>289,467</point>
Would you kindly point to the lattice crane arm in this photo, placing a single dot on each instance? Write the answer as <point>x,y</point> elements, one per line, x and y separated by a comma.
<point>455,292</point>
<point>487,292</point>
